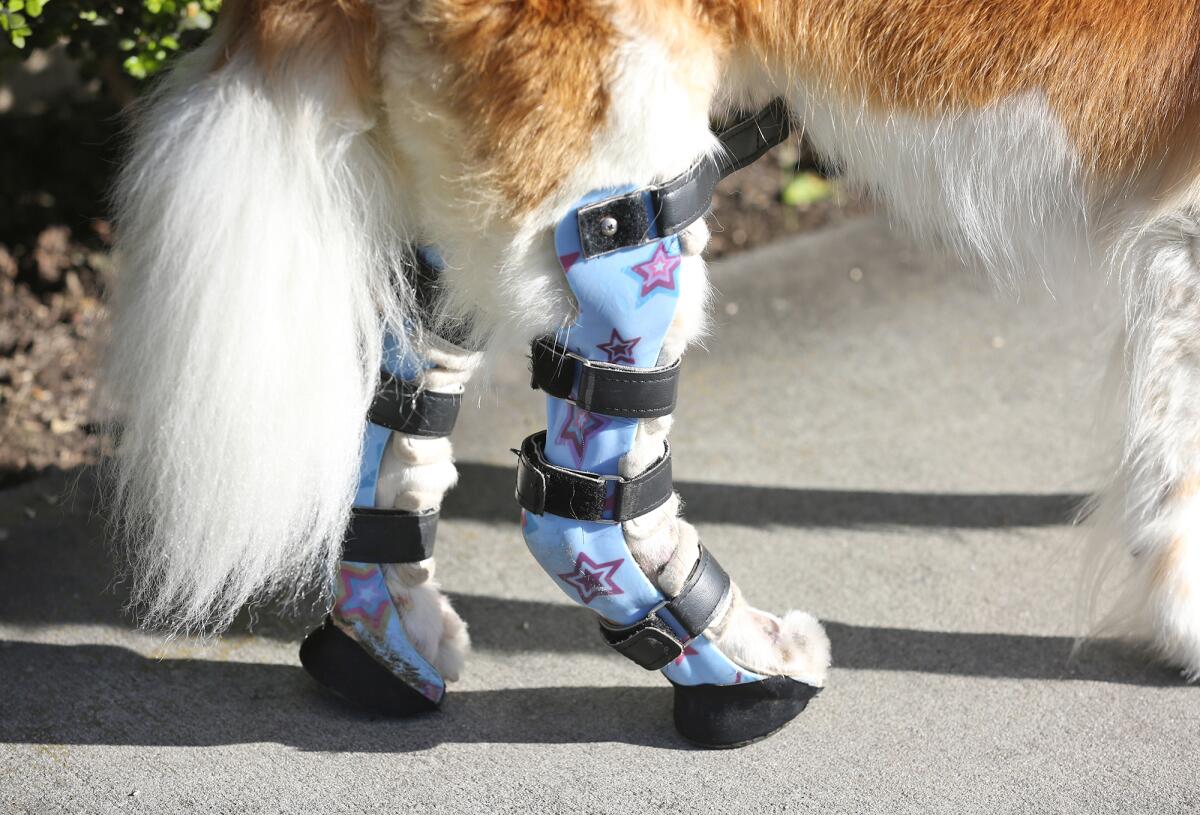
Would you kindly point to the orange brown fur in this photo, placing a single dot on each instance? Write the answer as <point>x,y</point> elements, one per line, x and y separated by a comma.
<point>528,80</point>
<point>1122,75</point>
<point>344,29</point>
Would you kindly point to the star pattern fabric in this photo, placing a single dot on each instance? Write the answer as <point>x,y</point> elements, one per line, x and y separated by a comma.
<point>619,350</point>
<point>362,594</point>
<point>579,427</point>
<point>688,651</point>
<point>591,579</point>
<point>658,272</point>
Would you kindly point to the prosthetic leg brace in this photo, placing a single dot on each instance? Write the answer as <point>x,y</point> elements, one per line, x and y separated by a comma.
<point>604,378</point>
<point>362,652</point>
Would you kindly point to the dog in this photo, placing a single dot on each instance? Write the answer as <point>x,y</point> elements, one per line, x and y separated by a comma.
<point>278,179</point>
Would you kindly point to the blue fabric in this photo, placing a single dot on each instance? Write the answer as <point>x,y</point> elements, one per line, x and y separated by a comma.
<point>627,301</point>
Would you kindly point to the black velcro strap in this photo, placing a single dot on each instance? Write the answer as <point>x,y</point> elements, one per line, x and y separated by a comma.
<point>650,642</point>
<point>544,488</point>
<point>613,390</point>
<point>622,221</point>
<point>389,536</point>
<point>404,407</point>
<point>701,596</point>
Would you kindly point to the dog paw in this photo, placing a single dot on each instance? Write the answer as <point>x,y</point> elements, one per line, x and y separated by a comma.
<point>1166,607</point>
<point>432,625</point>
<point>795,646</point>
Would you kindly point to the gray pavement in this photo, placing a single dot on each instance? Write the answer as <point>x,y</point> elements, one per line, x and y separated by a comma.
<point>913,447</point>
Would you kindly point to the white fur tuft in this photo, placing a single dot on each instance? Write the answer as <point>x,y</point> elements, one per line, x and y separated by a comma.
<point>1145,557</point>
<point>256,251</point>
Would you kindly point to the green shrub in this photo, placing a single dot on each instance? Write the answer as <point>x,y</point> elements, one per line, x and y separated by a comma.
<point>147,33</point>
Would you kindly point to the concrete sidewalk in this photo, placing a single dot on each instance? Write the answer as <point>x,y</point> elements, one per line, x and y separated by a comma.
<point>913,447</point>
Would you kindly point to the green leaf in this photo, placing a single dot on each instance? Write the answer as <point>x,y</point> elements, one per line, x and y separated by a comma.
<point>133,67</point>
<point>806,188</point>
<point>34,7</point>
<point>16,5</point>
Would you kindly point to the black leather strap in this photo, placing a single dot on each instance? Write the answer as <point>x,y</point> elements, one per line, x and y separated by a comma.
<point>701,596</point>
<point>544,488</point>
<point>623,221</point>
<point>613,390</point>
<point>389,536</point>
<point>405,408</point>
<point>686,198</point>
<point>651,642</point>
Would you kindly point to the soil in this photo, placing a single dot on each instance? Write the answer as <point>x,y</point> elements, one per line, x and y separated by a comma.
<point>55,267</point>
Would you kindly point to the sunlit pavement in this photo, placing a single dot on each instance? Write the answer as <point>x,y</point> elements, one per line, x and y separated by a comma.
<point>871,434</point>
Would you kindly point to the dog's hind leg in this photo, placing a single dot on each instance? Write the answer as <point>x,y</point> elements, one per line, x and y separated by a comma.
<point>392,640</point>
<point>1152,511</point>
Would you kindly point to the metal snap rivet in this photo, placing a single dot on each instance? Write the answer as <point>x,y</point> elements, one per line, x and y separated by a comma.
<point>608,225</point>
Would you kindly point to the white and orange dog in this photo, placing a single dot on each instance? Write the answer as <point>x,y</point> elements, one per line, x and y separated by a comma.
<point>280,176</point>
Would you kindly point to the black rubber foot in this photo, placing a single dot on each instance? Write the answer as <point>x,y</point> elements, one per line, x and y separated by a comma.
<point>342,667</point>
<point>737,715</point>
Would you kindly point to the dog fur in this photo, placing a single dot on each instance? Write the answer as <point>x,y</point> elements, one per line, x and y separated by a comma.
<point>321,137</point>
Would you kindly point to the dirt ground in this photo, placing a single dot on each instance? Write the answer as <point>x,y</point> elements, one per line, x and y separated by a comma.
<point>55,266</point>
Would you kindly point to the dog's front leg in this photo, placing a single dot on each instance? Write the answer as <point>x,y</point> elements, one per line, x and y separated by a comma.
<point>600,515</point>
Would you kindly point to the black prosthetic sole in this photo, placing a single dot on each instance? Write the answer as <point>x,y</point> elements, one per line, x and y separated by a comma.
<point>341,666</point>
<point>737,715</point>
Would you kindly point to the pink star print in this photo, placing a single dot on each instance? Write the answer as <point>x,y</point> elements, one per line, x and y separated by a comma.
<point>361,594</point>
<point>577,429</point>
<point>688,651</point>
<point>619,349</point>
<point>658,272</point>
<point>591,579</point>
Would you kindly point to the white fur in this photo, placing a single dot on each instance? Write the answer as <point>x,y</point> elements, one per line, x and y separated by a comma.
<point>507,275</point>
<point>1147,529</point>
<point>1000,184</point>
<point>257,242</point>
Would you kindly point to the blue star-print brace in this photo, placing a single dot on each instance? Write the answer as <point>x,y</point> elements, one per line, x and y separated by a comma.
<point>574,503</point>
<point>362,652</point>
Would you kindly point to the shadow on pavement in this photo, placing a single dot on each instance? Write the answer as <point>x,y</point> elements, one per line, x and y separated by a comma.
<point>521,625</point>
<point>103,694</point>
<point>109,695</point>
<point>485,493</point>
<point>55,570</point>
